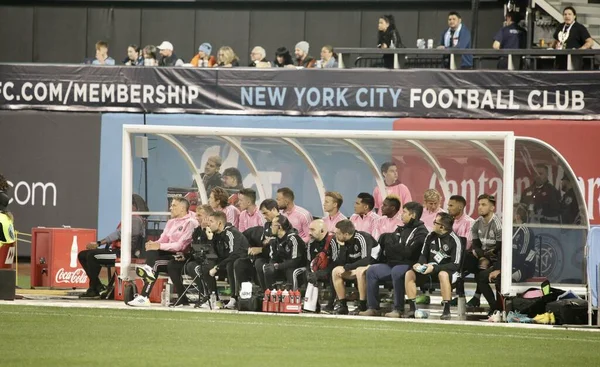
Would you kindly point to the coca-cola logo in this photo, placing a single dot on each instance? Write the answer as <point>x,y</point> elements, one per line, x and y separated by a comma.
<point>76,276</point>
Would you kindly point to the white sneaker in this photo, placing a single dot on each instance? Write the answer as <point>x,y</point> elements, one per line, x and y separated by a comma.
<point>146,273</point>
<point>496,317</point>
<point>231,304</point>
<point>139,301</point>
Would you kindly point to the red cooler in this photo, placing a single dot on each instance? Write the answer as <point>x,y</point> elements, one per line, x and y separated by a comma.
<point>54,261</point>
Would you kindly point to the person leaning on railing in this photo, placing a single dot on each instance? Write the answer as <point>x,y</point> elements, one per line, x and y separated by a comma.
<point>388,37</point>
<point>571,35</point>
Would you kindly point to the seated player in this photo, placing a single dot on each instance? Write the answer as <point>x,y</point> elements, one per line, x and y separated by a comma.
<point>364,216</point>
<point>332,203</point>
<point>401,251</point>
<point>287,253</point>
<point>353,252</point>
<point>438,262</point>
<point>218,200</point>
<point>175,239</point>
<point>390,217</point>
<point>318,255</point>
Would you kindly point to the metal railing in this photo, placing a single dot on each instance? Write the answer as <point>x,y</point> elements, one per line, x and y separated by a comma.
<point>455,55</point>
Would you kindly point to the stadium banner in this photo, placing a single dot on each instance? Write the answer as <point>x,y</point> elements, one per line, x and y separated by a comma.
<point>334,92</point>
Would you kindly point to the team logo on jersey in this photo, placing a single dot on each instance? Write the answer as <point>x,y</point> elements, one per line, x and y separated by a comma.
<point>568,200</point>
<point>180,229</point>
<point>491,233</point>
<point>356,247</point>
<point>446,247</point>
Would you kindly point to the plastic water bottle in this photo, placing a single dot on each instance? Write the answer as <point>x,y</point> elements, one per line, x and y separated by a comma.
<point>164,298</point>
<point>213,300</point>
<point>74,250</point>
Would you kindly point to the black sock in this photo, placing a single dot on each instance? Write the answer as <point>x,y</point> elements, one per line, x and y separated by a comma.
<point>446,306</point>
<point>362,305</point>
<point>343,302</point>
<point>412,304</point>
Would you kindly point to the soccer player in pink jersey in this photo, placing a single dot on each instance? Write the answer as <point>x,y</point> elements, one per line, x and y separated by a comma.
<point>432,200</point>
<point>299,217</point>
<point>332,203</point>
<point>364,217</point>
<point>389,170</point>
<point>250,216</point>
<point>218,200</point>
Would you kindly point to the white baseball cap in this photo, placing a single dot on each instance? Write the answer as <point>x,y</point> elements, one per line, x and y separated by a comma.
<point>166,45</point>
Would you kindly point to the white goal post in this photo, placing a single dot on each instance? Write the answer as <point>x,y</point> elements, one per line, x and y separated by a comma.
<point>476,138</point>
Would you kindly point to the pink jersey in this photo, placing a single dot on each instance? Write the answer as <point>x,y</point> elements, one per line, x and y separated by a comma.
<point>177,235</point>
<point>386,225</point>
<point>330,222</point>
<point>428,217</point>
<point>399,190</point>
<point>462,227</point>
<point>365,223</point>
<point>248,220</point>
<point>300,219</point>
<point>233,215</point>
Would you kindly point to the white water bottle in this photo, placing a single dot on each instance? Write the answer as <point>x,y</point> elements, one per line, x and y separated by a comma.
<point>74,251</point>
<point>213,300</point>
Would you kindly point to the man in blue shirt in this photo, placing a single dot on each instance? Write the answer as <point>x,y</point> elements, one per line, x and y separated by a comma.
<point>102,57</point>
<point>511,36</point>
<point>456,36</point>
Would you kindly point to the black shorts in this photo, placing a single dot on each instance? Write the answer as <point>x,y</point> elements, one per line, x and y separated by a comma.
<point>427,279</point>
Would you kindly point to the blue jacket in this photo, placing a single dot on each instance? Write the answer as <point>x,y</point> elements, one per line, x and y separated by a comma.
<point>464,41</point>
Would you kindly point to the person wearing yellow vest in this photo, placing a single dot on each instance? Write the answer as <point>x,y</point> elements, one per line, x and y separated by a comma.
<point>7,230</point>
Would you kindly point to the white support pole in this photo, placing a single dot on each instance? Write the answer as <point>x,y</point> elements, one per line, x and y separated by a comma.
<point>452,62</point>
<point>340,61</point>
<point>396,62</point>
<point>126,209</point>
<point>507,213</point>
<point>511,65</point>
<point>569,62</point>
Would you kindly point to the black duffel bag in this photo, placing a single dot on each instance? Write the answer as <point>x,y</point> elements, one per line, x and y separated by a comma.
<point>569,311</point>
<point>535,306</point>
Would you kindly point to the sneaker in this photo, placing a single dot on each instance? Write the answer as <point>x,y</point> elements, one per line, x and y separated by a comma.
<point>396,314</point>
<point>423,300</point>
<point>231,304</point>
<point>514,316</point>
<point>369,312</point>
<point>410,315</point>
<point>340,309</point>
<point>453,303</point>
<point>495,317</point>
<point>90,294</point>
<point>551,318</point>
<point>204,306</point>
<point>355,312</point>
<point>180,302</point>
<point>474,302</point>
<point>146,273</point>
<point>446,316</point>
<point>139,301</point>
<point>542,318</point>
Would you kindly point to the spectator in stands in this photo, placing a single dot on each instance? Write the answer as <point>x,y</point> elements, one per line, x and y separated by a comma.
<point>364,217</point>
<point>332,203</point>
<point>328,58</point>
<point>569,208</point>
<point>298,216</point>
<point>168,55</point>
<point>439,260</point>
<point>462,222</point>
<point>249,215</point>
<point>283,58</point>
<point>203,58</point>
<point>232,183</point>
<point>227,58</point>
<point>485,254</point>
<point>541,198</point>
<point>134,56</point>
<point>432,200</point>
<point>303,59</point>
<point>388,37</point>
<point>258,58</point>
<point>389,170</point>
<point>456,36</point>
<point>218,200</point>
<point>211,177</point>
<point>571,35</point>
<point>107,250</point>
<point>150,55</point>
<point>390,217</point>
<point>511,36</point>
<point>176,238</point>
<point>229,245</point>
<point>353,250</point>
<point>318,255</point>
<point>401,251</point>
<point>287,254</point>
<point>102,57</point>
<point>178,263</point>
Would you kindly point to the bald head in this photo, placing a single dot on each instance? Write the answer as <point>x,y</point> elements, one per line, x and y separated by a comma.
<point>317,229</point>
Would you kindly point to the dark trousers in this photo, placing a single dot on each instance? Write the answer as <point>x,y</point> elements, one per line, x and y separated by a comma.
<point>92,261</point>
<point>267,275</point>
<point>244,271</point>
<point>158,260</point>
<point>175,271</point>
<point>378,273</point>
<point>483,284</point>
<point>193,268</point>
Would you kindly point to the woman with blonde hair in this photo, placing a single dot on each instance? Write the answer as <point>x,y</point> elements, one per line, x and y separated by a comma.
<point>431,207</point>
<point>227,58</point>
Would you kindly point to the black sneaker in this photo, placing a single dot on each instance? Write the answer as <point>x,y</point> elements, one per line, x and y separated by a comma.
<point>445,316</point>
<point>328,308</point>
<point>90,294</point>
<point>474,302</point>
<point>340,309</point>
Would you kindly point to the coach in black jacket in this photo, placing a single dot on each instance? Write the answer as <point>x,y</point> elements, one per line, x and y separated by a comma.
<point>287,253</point>
<point>351,250</point>
<point>439,260</point>
<point>401,251</point>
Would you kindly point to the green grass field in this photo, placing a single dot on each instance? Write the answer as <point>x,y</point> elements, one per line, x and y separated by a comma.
<point>46,336</point>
